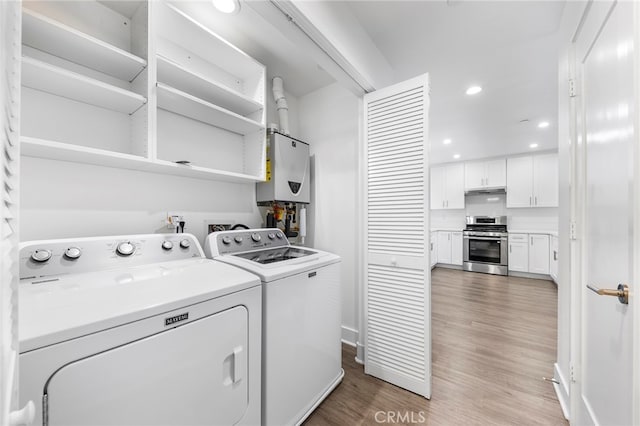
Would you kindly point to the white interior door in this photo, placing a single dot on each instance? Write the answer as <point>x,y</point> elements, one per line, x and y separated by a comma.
<point>605,50</point>
<point>397,273</point>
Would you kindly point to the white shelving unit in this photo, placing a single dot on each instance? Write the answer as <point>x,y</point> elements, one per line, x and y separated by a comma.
<point>189,106</point>
<point>140,86</point>
<point>56,38</point>
<point>51,79</point>
<point>177,76</point>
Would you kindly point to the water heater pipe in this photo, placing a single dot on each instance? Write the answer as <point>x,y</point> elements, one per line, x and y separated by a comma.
<point>281,104</point>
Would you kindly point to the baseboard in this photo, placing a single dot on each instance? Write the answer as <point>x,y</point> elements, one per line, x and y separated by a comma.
<point>530,275</point>
<point>562,391</point>
<point>360,353</point>
<point>448,266</point>
<point>349,336</point>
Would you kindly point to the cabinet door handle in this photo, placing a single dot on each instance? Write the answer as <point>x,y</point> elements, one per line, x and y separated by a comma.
<point>510,248</point>
<point>530,201</point>
<point>532,241</point>
<point>431,247</point>
<point>536,200</point>
<point>555,255</point>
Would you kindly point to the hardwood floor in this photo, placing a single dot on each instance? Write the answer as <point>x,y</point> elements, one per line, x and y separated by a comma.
<point>493,340</point>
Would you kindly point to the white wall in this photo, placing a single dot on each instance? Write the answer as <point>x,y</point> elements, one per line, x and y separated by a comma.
<point>524,219</point>
<point>65,200</point>
<point>329,120</point>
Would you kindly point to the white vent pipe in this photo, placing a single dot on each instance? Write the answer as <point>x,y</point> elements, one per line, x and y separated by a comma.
<point>281,104</point>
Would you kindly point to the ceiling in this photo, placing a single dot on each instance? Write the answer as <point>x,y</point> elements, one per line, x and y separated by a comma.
<point>510,48</point>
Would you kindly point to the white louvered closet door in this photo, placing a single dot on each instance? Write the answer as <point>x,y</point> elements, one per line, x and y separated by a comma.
<point>10,23</point>
<point>397,272</point>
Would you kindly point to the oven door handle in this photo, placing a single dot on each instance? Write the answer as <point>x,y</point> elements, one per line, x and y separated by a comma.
<point>485,238</point>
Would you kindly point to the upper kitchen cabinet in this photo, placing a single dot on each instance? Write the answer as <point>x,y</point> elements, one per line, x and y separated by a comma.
<point>84,81</point>
<point>447,186</point>
<point>532,181</point>
<point>210,99</point>
<point>483,175</point>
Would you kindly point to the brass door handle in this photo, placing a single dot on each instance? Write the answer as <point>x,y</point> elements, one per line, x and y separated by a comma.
<point>622,292</point>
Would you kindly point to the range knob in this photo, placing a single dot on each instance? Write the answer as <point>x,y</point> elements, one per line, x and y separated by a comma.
<point>41,256</point>
<point>167,245</point>
<point>72,253</point>
<point>256,237</point>
<point>185,244</point>
<point>238,239</point>
<point>271,235</point>
<point>125,249</point>
<point>226,240</point>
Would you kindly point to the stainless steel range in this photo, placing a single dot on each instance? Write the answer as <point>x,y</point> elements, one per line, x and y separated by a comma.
<point>485,245</point>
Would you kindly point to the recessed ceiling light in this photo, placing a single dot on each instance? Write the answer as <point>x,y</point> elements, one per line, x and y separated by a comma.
<point>227,6</point>
<point>543,124</point>
<point>456,156</point>
<point>473,90</point>
<point>446,141</point>
<point>533,145</point>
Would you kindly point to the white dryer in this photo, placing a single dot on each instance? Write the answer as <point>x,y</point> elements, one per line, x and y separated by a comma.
<point>302,353</point>
<point>137,330</point>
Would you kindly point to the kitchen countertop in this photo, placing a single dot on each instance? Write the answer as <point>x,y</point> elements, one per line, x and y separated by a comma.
<point>446,229</point>
<point>531,231</point>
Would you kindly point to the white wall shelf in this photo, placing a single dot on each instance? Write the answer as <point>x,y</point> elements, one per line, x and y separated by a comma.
<point>184,104</point>
<point>177,76</point>
<point>40,148</point>
<point>43,33</point>
<point>48,78</point>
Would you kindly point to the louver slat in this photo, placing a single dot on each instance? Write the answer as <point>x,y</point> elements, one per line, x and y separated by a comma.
<point>397,288</point>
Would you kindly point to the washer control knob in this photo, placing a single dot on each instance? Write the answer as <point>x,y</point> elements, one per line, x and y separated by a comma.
<point>125,249</point>
<point>279,235</point>
<point>226,240</point>
<point>185,244</point>
<point>256,237</point>
<point>41,256</point>
<point>167,245</point>
<point>271,235</point>
<point>238,239</point>
<point>72,253</point>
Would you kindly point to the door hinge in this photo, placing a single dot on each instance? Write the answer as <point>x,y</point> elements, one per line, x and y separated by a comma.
<point>572,231</point>
<point>572,373</point>
<point>572,88</point>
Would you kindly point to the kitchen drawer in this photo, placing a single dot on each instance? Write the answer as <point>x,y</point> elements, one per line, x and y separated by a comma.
<point>518,237</point>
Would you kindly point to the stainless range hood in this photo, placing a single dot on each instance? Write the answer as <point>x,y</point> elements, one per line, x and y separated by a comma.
<point>486,191</point>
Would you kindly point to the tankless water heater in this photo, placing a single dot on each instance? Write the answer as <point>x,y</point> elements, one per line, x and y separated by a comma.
<point>288,172</point>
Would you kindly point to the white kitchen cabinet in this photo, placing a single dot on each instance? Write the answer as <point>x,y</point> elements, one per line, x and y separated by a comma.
<point>553,258</point>
<point>519,252</point>
<point>449,247</point>
<point>539,254</point>
<point>447,186</point>
<point>456,248</point>
<point>434,249</point>
<point>532,181</point>
<point>444,247</point>
<point>488,174</point>
<point>146,87</point>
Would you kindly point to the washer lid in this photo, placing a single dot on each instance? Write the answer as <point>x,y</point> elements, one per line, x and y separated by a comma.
<point>63,307</point>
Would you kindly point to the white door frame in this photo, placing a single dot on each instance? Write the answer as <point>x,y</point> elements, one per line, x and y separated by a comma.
<point>578,210</point>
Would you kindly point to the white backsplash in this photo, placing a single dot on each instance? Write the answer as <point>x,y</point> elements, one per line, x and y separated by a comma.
<point>534,219</point>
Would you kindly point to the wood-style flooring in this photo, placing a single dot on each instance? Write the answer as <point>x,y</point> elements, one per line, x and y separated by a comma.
<point>494,338</point>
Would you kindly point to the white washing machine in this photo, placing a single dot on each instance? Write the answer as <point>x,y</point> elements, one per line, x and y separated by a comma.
<point>301,326</point>
<point>137,330</point>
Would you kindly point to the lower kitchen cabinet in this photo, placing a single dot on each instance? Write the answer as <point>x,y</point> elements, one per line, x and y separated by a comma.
<point>518,253</point>
<point>529,253</point>
<point>434,248</point>
<point>539,254</point>
<point>449,247</point>
<point>553,258</point>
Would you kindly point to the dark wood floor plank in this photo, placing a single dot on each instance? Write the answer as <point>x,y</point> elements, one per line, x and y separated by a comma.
<point>493,339</point>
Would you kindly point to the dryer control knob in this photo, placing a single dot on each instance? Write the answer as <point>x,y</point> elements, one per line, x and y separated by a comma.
<point>125,249</point>
<point>226,240</point>
<point>41,256</point>
<point>238,239</point>
<point>256,237</point>
<point>279,235</point>
<point>167,245</point>
<point>72,253</point>
<point>271,235</point>
<point>185,244</point>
